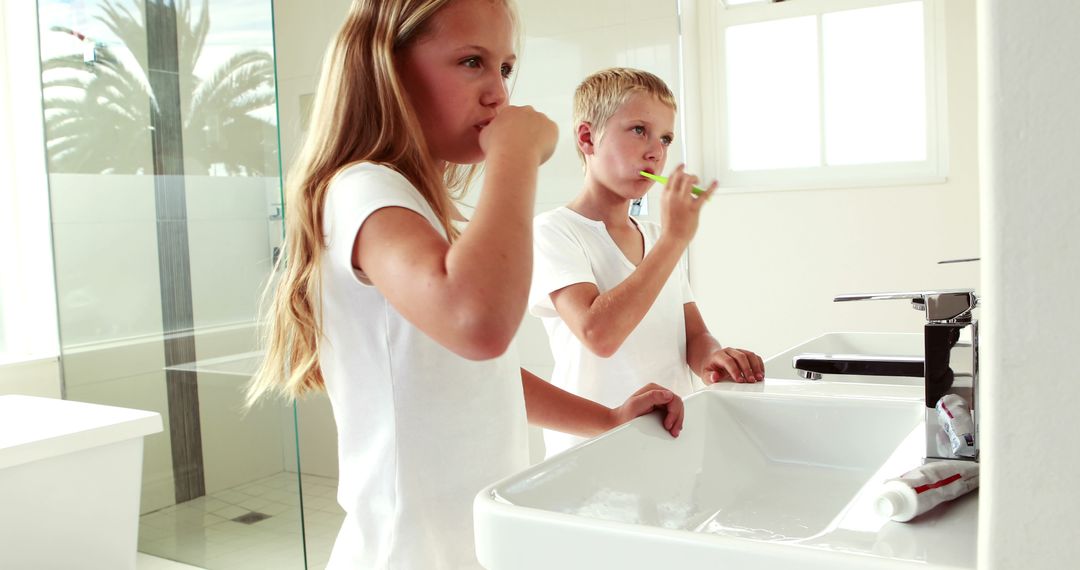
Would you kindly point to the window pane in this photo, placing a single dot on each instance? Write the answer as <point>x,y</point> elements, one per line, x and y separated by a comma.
<point>772,94</point>
<point>875,85</point>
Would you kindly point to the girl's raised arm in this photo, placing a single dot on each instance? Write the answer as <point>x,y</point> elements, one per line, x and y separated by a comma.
<point>469,296</point>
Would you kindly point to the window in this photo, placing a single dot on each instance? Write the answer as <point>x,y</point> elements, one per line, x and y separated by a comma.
<point>825,93</point>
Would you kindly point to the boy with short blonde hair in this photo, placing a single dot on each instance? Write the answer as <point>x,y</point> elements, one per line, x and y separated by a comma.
<point>613,290</point>
<point>601,94</point>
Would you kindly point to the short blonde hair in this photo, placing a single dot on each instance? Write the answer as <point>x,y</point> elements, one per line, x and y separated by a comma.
<point>601,94</point>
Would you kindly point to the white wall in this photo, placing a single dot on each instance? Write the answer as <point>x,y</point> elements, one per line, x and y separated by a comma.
<point>31,378</point>
<point>302,30</point>
<point>1029,500</point>
<point>765,266</point>
<point>28,361</point>
<point>28,329</point>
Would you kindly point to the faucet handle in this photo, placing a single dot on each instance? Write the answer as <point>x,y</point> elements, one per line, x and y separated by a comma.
<point>945,306</point>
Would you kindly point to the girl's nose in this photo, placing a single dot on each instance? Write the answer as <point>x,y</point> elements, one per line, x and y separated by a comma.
<point>495,92</point>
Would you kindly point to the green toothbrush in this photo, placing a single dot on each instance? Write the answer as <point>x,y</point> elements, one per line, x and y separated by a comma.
<point>663,180</point>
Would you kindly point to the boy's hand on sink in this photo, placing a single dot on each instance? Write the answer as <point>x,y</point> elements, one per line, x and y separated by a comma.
<point>648,399</point>
<point>733,364</point>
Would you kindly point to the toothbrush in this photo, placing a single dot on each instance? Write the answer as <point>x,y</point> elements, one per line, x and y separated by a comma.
<point>663,180</point>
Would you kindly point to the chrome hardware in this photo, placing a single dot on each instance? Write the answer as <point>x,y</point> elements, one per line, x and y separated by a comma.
<point>946,306</point>
<point>946,365</point>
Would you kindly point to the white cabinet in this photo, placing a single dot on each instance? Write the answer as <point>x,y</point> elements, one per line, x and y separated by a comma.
<point>70,475</point>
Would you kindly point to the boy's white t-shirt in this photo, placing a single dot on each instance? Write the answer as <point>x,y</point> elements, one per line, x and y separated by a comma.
<point>420,429</point>
<point>570,248</point>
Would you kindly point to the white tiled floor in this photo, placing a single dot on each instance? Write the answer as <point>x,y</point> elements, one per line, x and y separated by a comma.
<point>202,533</point>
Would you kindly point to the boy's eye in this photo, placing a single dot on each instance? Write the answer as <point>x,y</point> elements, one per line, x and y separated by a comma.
<point>665,140</point>
<point>639,130</point>
<point>473,62</point>
<point>507,70</point>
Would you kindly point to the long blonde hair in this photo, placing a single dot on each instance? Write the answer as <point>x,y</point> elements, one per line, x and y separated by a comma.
<point>361,114</point>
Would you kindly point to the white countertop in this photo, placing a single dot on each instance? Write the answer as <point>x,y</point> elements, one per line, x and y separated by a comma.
<point>33,428</point>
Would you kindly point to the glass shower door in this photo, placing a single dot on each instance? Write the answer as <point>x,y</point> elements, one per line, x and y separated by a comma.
<point>164,181</point>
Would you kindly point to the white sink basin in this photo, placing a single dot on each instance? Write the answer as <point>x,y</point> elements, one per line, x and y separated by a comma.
<point>763,476</point>
<point>866,343</point>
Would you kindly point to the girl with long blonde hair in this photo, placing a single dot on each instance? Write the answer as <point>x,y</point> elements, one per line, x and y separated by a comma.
<point>401,316</point>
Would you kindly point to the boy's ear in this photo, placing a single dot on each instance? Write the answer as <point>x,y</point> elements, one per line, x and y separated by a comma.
<point>585,138</point>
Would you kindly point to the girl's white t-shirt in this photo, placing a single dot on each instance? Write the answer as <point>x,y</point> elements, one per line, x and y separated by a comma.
<point>570,248</point>
<point>420,429</point>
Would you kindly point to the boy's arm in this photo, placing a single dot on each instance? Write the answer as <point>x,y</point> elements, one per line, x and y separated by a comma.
<point>712,362</point>
<point>602,321</point>
<point>550,407</point>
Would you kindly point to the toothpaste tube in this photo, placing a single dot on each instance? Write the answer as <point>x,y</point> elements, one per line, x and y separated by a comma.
<point>955,417</point>
<point>925,487</point>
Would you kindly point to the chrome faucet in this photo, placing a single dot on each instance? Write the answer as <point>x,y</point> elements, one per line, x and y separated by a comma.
<point>949,365</point>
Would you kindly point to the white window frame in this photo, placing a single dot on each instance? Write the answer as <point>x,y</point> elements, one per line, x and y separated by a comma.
<point>715,18</point>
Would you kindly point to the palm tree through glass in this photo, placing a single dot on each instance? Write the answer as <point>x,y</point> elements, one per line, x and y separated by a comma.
<point>99,103</point>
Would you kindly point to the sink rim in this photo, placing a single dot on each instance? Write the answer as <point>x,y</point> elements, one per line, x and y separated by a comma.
<point>898,397</point>
<point>522,537</point>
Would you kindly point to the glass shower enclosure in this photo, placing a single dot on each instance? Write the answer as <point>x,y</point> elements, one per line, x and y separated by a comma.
<point>165,187</point>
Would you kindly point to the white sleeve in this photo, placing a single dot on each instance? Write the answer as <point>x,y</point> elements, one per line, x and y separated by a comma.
<point>353,196</point>
<point>559,260</point>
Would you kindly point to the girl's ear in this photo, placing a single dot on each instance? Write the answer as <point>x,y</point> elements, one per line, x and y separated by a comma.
<point>585,138</point>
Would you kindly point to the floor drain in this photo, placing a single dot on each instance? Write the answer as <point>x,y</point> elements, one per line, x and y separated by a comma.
<point>251,517</point>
